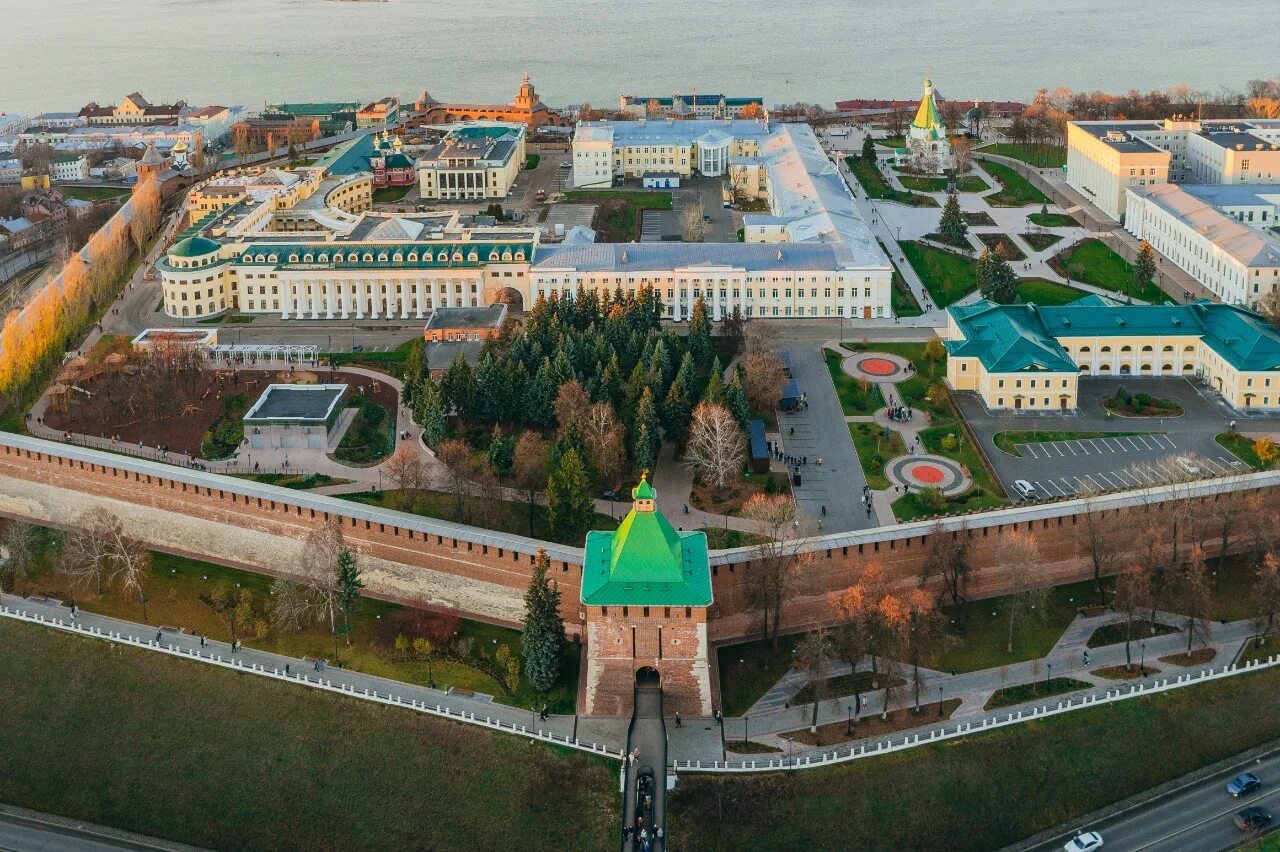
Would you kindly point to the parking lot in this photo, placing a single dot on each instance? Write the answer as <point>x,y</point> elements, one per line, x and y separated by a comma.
<point>1155,451</point>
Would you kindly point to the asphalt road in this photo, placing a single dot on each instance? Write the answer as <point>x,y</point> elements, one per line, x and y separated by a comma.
<point>32,834</point>
<point>647,738</point>
<point>1196,817</point>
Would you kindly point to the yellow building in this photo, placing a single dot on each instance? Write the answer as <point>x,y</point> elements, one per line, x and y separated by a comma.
<point>1030,357</point>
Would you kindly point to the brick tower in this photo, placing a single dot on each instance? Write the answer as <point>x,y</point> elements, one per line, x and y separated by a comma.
<point>646,589</point>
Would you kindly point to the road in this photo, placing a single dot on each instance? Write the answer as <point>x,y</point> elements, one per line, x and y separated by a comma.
<point>647,739</point>
<point>1194,817</point>
<point>27,831</point>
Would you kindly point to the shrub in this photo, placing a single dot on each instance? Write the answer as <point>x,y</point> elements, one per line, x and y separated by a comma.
<point>950,442</point>
<point>933,499</point>
<point>1142,400</point>
<point>769,485</point>
<point>1122,394</point>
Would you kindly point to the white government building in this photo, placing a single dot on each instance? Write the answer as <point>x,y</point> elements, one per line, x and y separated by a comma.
<point>1204,194</point>
<point>305,245</point>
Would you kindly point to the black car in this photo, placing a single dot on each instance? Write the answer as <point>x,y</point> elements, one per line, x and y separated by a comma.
<point>1252,818</point>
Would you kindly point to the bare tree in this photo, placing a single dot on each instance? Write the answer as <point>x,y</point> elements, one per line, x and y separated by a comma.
<point>605,439</point>
<point>1098,534</point>
<point>1020,556</point>
<point>1194,598</point>
<point>962,149</point>
<point>763,380</point>
<point>17,551</point>
<point>1266,596</point>
<point>1132,596</point>
<point>87,554</point>
<point>814,656</point>
<point>692,225</point>
<point>292,605</point>
<point>318,563</point>
<point>455,455</point>
<point>760,338</point>
<point>529,468</point>
<point>716,449</point>
<point>775,558</point>
<point>407,474</point>
<point>946,555</point>
<point>130,566</point>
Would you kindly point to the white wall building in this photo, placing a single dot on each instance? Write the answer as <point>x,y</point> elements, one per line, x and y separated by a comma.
<point>69,167</point>
<point>1224,251</point>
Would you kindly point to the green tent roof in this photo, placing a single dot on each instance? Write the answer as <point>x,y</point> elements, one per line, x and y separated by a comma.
<point>927,115</point>
<point>646,561</point>
<point>193,247</point>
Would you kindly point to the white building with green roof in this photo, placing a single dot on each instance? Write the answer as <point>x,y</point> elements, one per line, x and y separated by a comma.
<point>646,587</point>
<point>928,149</point>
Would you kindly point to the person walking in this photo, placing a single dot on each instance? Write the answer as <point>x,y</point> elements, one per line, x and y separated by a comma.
<point>157,637</point>
<point>678,722</point>
<point>286,668</point>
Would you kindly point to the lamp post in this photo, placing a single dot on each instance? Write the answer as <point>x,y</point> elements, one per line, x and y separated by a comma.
<point>940,701</point>
<point>1142,664</point>
<point>848,728</point>
<point>791,761</point>
<point>1048,676</point>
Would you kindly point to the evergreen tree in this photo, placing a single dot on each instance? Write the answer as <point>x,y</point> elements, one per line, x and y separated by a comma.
<point>570,509</point>
<point>735,397</point>
<point>458,388</point>
<point>540,396</point>
<point>699,332</point>
<point>349,586</point>
<point>543,635</point>
<point>660,363</point>
<point>611,383</point>
<point>715,392</point>
<point>646,449</point>
<point>430,415</point>
<point>676,410</point>
<point>868,149</point>
<point>996,279</point>
<point>415,369</point>
<point>491,382</point>
<point>1144,267</point>
<point>952,228</point>
<point>502,453</point>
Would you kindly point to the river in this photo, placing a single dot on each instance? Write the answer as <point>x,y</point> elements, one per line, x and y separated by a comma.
<point>61,53</point>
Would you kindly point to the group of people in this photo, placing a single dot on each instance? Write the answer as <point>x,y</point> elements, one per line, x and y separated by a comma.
<point>900,413</point>
<point>639,836</point>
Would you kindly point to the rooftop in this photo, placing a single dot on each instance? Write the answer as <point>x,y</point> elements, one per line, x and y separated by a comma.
<point>490,316</point>
<point>300,403</point>
<point>1249,246</point>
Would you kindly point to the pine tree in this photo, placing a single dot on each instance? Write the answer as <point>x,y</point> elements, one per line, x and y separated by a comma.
<point>1002,281</point>
<point>868,149</point>
<point>540,396</point>
<point>676,410</point>
<point>952,228</point>
<point>699,332</point>
<point>611,383</point>
<point>735,398</point>
<point>415,367</point>
<point>543,636</point>
<point>458,388</point>
<point>501,453</point>
<point>1144,267</point>
<point>715,392</point>
<point>646,449</point>
<point>430,415</point>
<point>349,586</point>
<point>570,509</point>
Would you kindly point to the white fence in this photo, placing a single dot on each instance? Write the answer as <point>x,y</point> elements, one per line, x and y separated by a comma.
<point>960,729</point>
<point>315,683</point>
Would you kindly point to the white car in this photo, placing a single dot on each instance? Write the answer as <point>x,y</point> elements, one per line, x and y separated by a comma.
<point>1086,842</point>
<point>1188,465</point>
<point>1026,489</point>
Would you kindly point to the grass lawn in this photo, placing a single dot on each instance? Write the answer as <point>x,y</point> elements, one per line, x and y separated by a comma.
<point>388,194</point>
<point>617,216</point>
<point>1044,292</point>
<point>531,160</point>
<point>390,362</point>
<point>983,791</point>
<point>1241,447</point>
<point>1093,262</point>
<point>874,184</point>
<point>986,492</point>
<point>914,389</point>
<point>1113,634</point>
<point>1011,249</point>
<point>903,300</point>
<point>95,730</point>
<point>1035,691</point>
<point>749,670</point>
<point>965,183</point>
<point>1035,154</point>
<point>720,538</point>
<point>874,451</point>
<point>1015,190</point>
<point>371,435</point>
<point>299,481</point>
<point>93,193</point>
<point>1040,241</point>
<point>979,630</point>
<point>749,747</point>
<point>948,277</point>
<point>1053,220</point>
<point>1143,405</point>
<point>173,597</point>
<point>853,399</point>
<point>1006,440</point>
<point>500,515</point>
<point>642,200</point>
<point>844,685</point>
<point>229,319</point>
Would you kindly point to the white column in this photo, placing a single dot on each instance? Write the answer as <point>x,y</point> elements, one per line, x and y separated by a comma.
<point>331,298</point>
<point>404,298</point>
<point>299,298</point>
<point>391,298</point>
<point>359,285</point>
<point>744,296</point>
<point>344,297</point>
<point>286,299</point>
<point>675,317</point>
<point>375,298</point>
<point>420,290</point>
<point>715,303</point>
<point>314,290</point>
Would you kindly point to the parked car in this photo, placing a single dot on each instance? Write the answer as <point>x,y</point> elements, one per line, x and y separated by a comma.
<point>1086,842</point>
<point>1026,489</point>
<point>609,495</point>
<point>1188,465</point>
<point>1242,784</point>
<point>566,165</point>
<point>540,195</point>
<point>357,347</point>
<point>1252,818</point>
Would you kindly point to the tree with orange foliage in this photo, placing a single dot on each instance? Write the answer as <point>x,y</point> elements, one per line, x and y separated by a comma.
<point>146,210</point>
<point>775,559</point>
<point>1194,599</point>
<point>751,110</point>
<point>858,608</point>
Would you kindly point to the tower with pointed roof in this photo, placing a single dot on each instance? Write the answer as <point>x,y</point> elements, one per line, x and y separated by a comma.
<point>927,143</point>
<point>646,588</point>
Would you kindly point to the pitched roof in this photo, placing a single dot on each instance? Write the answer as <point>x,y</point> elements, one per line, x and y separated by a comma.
<point>1007,339</point>
<point>927,114</point>
<point>646,561</point>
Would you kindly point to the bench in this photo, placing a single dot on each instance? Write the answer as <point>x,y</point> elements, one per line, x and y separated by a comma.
<point>1094,609</point>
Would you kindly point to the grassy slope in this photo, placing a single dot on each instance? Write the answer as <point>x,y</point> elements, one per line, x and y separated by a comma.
<point>181,750</point>
<point>985,791</point>
<point>1100,266</point>
<point>947,277</point>
<point>1015,190</point>
<point>874,184</point>
<point>852,400</point>
<point>1047,293</point>
<point>1040,156</point>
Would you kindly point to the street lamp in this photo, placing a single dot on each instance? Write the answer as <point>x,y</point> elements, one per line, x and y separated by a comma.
<point>1048,675</point>
<point>1142,663</point>
<point>848,728</point>
<point>899,233</point>
<point>746,721</point>
<point>791,741</point>
<point>940,701</point>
